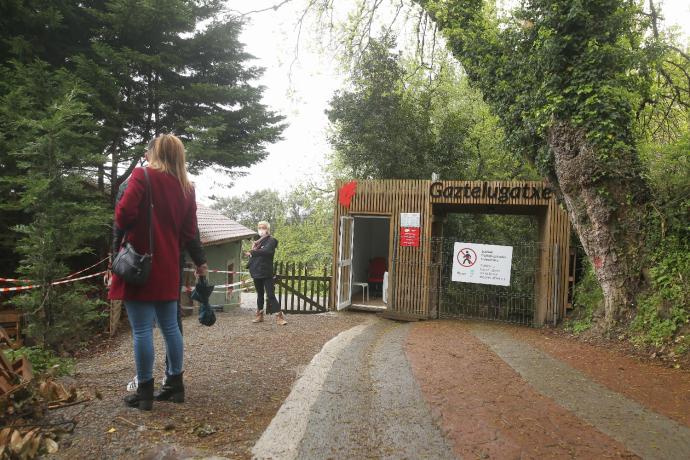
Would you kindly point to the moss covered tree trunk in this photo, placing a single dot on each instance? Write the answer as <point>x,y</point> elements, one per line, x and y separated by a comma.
<point>564,78</point>
<point>606,209</point>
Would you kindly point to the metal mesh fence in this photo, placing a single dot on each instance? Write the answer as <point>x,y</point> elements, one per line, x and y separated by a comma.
<point>515,303</point>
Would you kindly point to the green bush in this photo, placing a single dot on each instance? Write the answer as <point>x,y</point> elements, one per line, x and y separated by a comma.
<point>43,360</point>
<point>68,315</point>
<point>664,310</point>
<point>588,297</point>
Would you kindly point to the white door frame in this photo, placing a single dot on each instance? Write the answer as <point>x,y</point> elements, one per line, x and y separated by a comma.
<point>342,263</point>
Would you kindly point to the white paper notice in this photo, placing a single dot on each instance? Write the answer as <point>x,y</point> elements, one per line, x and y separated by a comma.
<point>482,263</point>
<point>409,219</point>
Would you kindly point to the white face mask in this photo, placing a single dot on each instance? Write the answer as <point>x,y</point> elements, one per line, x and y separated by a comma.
<point>263,232</point>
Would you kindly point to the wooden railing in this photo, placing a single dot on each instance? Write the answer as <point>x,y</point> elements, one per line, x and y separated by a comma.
<point>301,289</point>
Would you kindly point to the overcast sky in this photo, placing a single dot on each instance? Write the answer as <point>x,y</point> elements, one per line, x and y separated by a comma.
<point>302,92</point>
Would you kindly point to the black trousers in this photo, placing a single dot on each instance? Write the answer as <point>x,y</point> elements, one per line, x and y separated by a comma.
<point>266,288</point>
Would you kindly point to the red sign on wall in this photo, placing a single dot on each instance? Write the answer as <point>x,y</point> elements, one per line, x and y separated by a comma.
<point>409,236</point>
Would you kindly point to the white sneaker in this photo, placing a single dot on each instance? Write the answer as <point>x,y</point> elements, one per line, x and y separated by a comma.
<point>133,385</point>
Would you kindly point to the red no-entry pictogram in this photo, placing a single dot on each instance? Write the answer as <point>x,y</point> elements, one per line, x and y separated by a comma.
<point>467,257</point>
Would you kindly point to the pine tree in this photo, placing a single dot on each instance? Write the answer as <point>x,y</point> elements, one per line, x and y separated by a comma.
<point>174,66</point>
<point>146,67</point>
<point>52,137</point>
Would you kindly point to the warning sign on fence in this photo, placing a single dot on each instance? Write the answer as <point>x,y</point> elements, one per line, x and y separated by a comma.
<point>482,263</point>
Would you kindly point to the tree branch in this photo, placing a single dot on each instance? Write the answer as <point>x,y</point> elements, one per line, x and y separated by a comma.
<point>262,10</point>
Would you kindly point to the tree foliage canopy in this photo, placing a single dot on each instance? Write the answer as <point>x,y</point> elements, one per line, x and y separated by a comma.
<point>145,67</point>
<point>84,86</point>
<point>399,121</point>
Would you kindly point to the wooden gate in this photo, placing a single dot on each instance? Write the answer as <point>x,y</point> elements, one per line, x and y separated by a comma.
<point>300,289</point>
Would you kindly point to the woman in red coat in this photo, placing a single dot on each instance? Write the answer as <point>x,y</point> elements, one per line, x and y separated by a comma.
<point>173,225</point>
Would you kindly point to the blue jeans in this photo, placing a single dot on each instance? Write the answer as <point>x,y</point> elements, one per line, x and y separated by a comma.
<point>141,315</point>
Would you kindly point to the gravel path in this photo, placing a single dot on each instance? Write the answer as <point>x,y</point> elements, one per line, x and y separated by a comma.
<point>237,375</point>
<point>358,399</point>
<point>646,433</point>
<point>364,387</point>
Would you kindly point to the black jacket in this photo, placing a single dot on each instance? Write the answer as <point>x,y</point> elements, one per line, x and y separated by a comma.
<point>261,260</point>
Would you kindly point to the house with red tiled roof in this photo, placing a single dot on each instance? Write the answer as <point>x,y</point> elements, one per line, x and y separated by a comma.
<point>222,239</point>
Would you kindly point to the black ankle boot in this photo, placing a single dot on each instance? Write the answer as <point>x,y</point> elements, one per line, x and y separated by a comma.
<point>143,400</point>
<point>172,389</point>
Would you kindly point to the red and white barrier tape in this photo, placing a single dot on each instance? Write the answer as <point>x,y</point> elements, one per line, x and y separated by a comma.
<point>14,280</point>
<point>19,288</point>
<point>218,271</point>
<point>220,286</point>
<point>54,283</point>
<point>86,269</point>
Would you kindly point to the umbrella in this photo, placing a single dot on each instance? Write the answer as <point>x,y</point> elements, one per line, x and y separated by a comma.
<point>202,291</point>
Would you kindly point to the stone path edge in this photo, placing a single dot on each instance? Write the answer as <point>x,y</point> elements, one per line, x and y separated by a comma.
<point>282,437</point>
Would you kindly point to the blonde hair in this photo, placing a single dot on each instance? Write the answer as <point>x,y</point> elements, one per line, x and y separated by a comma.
<point>167,155</point>
<point>263,223</point>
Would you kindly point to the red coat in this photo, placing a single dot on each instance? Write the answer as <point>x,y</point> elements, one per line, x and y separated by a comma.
<point>174,224</point>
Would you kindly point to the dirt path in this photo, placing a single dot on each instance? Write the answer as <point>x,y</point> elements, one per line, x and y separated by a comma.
<point>649,434</point>
<point>659,387</point>
<point>445,389</point>
<point>365,387</point>
<point>487,410</point>
<point>237,376</point>
<point>499,396</point>
<point>357,400</point>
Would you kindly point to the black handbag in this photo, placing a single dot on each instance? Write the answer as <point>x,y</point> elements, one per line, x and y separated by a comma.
<point>128,264</point>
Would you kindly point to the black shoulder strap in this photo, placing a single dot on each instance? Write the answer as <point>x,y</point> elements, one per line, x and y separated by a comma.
<point>150,206</point>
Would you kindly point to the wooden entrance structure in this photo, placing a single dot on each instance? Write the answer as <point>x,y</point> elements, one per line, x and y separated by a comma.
<point>411,279</point>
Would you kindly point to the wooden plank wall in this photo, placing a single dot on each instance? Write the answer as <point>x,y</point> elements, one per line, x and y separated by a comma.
<point>412,275</point>
<point>409,270</point>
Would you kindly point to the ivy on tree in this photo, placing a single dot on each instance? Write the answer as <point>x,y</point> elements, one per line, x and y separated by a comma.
<point>567,79</point>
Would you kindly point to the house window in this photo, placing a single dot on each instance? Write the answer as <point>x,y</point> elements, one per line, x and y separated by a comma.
<point>231,280</point>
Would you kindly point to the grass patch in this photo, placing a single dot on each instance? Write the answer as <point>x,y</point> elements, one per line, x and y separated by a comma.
<point>43,361</point>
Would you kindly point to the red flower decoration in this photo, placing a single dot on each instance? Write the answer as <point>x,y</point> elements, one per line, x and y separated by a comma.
<point>346,192</point>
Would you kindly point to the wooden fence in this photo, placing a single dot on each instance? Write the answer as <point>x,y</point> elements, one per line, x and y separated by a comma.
<point>301,289</point>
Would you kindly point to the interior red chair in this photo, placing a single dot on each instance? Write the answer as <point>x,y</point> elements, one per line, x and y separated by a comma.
<point>377,267</point>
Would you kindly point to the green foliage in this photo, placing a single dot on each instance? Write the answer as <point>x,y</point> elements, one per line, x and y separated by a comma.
<point>588,298</point>
<point>43,360</point>
<point>175,67</point>
<point>396,121</point>
<point>301,221</point>
<point>666,307</point>
<point>51,136</point>
<point>554,61</point>
<point>145,67</point>
<point>306,235</point>
<point>253,207</point>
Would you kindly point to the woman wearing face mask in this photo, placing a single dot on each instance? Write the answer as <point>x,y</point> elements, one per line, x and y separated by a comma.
<point>261,270</point>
